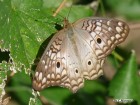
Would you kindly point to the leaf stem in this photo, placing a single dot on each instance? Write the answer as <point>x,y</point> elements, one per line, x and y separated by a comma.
<point>58,9</point>
<point>120,58</point>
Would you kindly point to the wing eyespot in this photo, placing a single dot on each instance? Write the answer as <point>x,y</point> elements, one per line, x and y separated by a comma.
<point>58,64</point>
<point>76,71</point>
<point>89,62</point>
<point>99,40</point>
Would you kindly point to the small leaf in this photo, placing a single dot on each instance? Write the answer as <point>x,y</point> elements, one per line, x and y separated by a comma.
<point>125,83</point>
<point>34,101</point>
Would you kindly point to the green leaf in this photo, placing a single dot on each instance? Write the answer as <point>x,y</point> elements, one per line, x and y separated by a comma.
<point>56,95</point>
<point>20,87</point>
<point>34,101</point>
<point>129,8</point>
<point>125,83</point>
<point>21,32</point>
<point>51,3</point>
<point>93,86</point>
<point>4,67</point>
<point>76,12</point>
<point>91,92</point>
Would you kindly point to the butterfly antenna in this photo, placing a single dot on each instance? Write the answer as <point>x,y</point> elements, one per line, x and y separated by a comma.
<point>59,8</point>
<point>69,11</point>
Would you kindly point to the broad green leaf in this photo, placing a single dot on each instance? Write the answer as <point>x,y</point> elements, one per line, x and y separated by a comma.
<point>22,31</point>
<point>125,83</point>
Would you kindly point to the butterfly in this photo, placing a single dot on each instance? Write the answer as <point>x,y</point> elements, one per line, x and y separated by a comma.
<point>78,52</point>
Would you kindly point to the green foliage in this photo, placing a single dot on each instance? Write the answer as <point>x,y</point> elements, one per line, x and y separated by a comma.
<point>34,101</point>
<point>20,30</point>
<point>129,8</point>
<point>125,84</point>
<point>25,28</point>
<point>3,77</point>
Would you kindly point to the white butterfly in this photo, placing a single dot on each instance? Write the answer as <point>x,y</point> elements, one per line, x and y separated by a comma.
<point>78,51</point>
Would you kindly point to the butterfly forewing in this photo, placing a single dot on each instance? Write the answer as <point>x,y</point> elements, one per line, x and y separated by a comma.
<point>59,65</point>
<point>105,33</point>
<point>78,51</point>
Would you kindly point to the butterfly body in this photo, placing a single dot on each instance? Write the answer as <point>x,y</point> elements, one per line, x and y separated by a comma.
<point>78,51</point>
